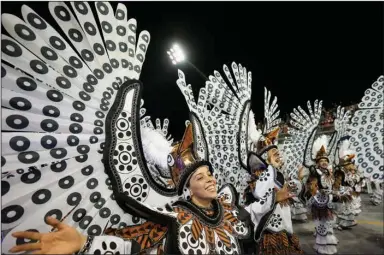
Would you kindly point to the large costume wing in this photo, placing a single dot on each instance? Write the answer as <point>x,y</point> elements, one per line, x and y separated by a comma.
<point>271,113</point>
<point>65,102</point>
<point>367,131</point>
<point>303,134</point>
<point>224,113</point>
<point>341,122</point>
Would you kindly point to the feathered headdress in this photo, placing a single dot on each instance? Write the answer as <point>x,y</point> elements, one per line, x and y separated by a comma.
<point>346,155</point>
<point>319,148</point>
<point>156,147</point>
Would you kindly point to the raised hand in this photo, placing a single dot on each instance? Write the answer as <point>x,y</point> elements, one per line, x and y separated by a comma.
<point>284,194</point>
<point>66,240</point>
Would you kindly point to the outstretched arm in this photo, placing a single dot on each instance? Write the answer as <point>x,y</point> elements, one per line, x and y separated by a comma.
<point>67,240</point>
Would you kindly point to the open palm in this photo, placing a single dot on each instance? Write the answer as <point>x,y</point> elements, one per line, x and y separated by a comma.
<point>66,240</point>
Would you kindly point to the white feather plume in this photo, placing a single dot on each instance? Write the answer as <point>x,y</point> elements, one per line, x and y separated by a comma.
<point>320,141</point>
<point>156,147</point>
<point>254,134</point>
<point>344,149</point>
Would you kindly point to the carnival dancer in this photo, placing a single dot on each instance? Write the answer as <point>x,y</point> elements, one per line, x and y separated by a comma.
<point>87,147</point>
<point>201,222</point>
<point>273,231</point>
<point>321,198</point>
<point>377,195</point>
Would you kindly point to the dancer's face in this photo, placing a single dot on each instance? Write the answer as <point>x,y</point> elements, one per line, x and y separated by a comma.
<point>202,184</point>
<point>274,158</point>
<point>323,163</point>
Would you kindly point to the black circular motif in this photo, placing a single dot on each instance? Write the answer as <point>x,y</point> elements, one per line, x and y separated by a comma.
<point>62,13</point>
<point>88,88</point>
<point>120,15</point>
<point>121,30</point>
<point>84,223</point>
<point>28,157</point>
<point>75,62</point>
<point>105,212</point>
<point>57,43</point>
<point>79,214</point>
<point>26,83</point>
<point>69,71</point>
<point>79,106</point>
<point>75,128</point>
<point>75,35</point>
<point>115,219</point>
<point>82,158</point>
<point>124,63</point>
<point>51,111</point>
<point>93,139</point>
<point>95,196</point>
<point>77,117</point>
<point>38,66</point>
<point>111,46</point>
<point>74,199</point>
<point>35,21</point>
<point>73,140</point>
<point>81,7</point>
<point>24,32</point>
<point>107,28</point>
<point>49,125</point>
<point>63,82</point>
<point>5,187</point>
<point>19,143</point>
<point>10,48</point>
<point>100,203</point>
<point>84,96</point>
<point>91,79</point>
<point>98,73</point>
<point>94,230</point>
<point>66,182</point>
<point>107,68</point>
<point>92,183</point>
<point>41,196</point>
<point>59,167</point>
<point>54,212</point>
<point>83,149</point>
<point>48,142</point>
<point>90,28</point>
<point>87,55</point>
<point>88,170</point>
<point>11,214</point>
<point>54,95</point>
<point>99,49</point>
<point>16,121</point>
<point>48,53</point>
<point>102,8</point>
<point>115,64</point>
<point>20,103</point>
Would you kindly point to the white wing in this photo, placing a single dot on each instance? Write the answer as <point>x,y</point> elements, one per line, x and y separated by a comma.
<point>223,111</point>
<point>367,131</point>
<point>303,134</point>
<point>54,120</point>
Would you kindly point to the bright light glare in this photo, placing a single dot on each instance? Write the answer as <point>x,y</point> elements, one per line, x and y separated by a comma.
<point>176,54</point>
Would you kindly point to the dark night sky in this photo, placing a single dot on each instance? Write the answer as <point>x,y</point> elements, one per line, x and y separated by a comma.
<point>299,50</point>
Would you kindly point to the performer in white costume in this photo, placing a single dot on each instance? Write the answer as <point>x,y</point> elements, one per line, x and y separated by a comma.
<point>270,212</point>
<point>89,157</point>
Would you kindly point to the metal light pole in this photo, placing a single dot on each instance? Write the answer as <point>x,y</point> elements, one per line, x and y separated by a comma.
<point>177,56</point>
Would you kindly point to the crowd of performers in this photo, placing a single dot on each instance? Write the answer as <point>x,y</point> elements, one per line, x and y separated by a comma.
<point>84,170</point>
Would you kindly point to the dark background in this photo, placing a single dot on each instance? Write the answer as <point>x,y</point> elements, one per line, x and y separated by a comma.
<point>299,50</point>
